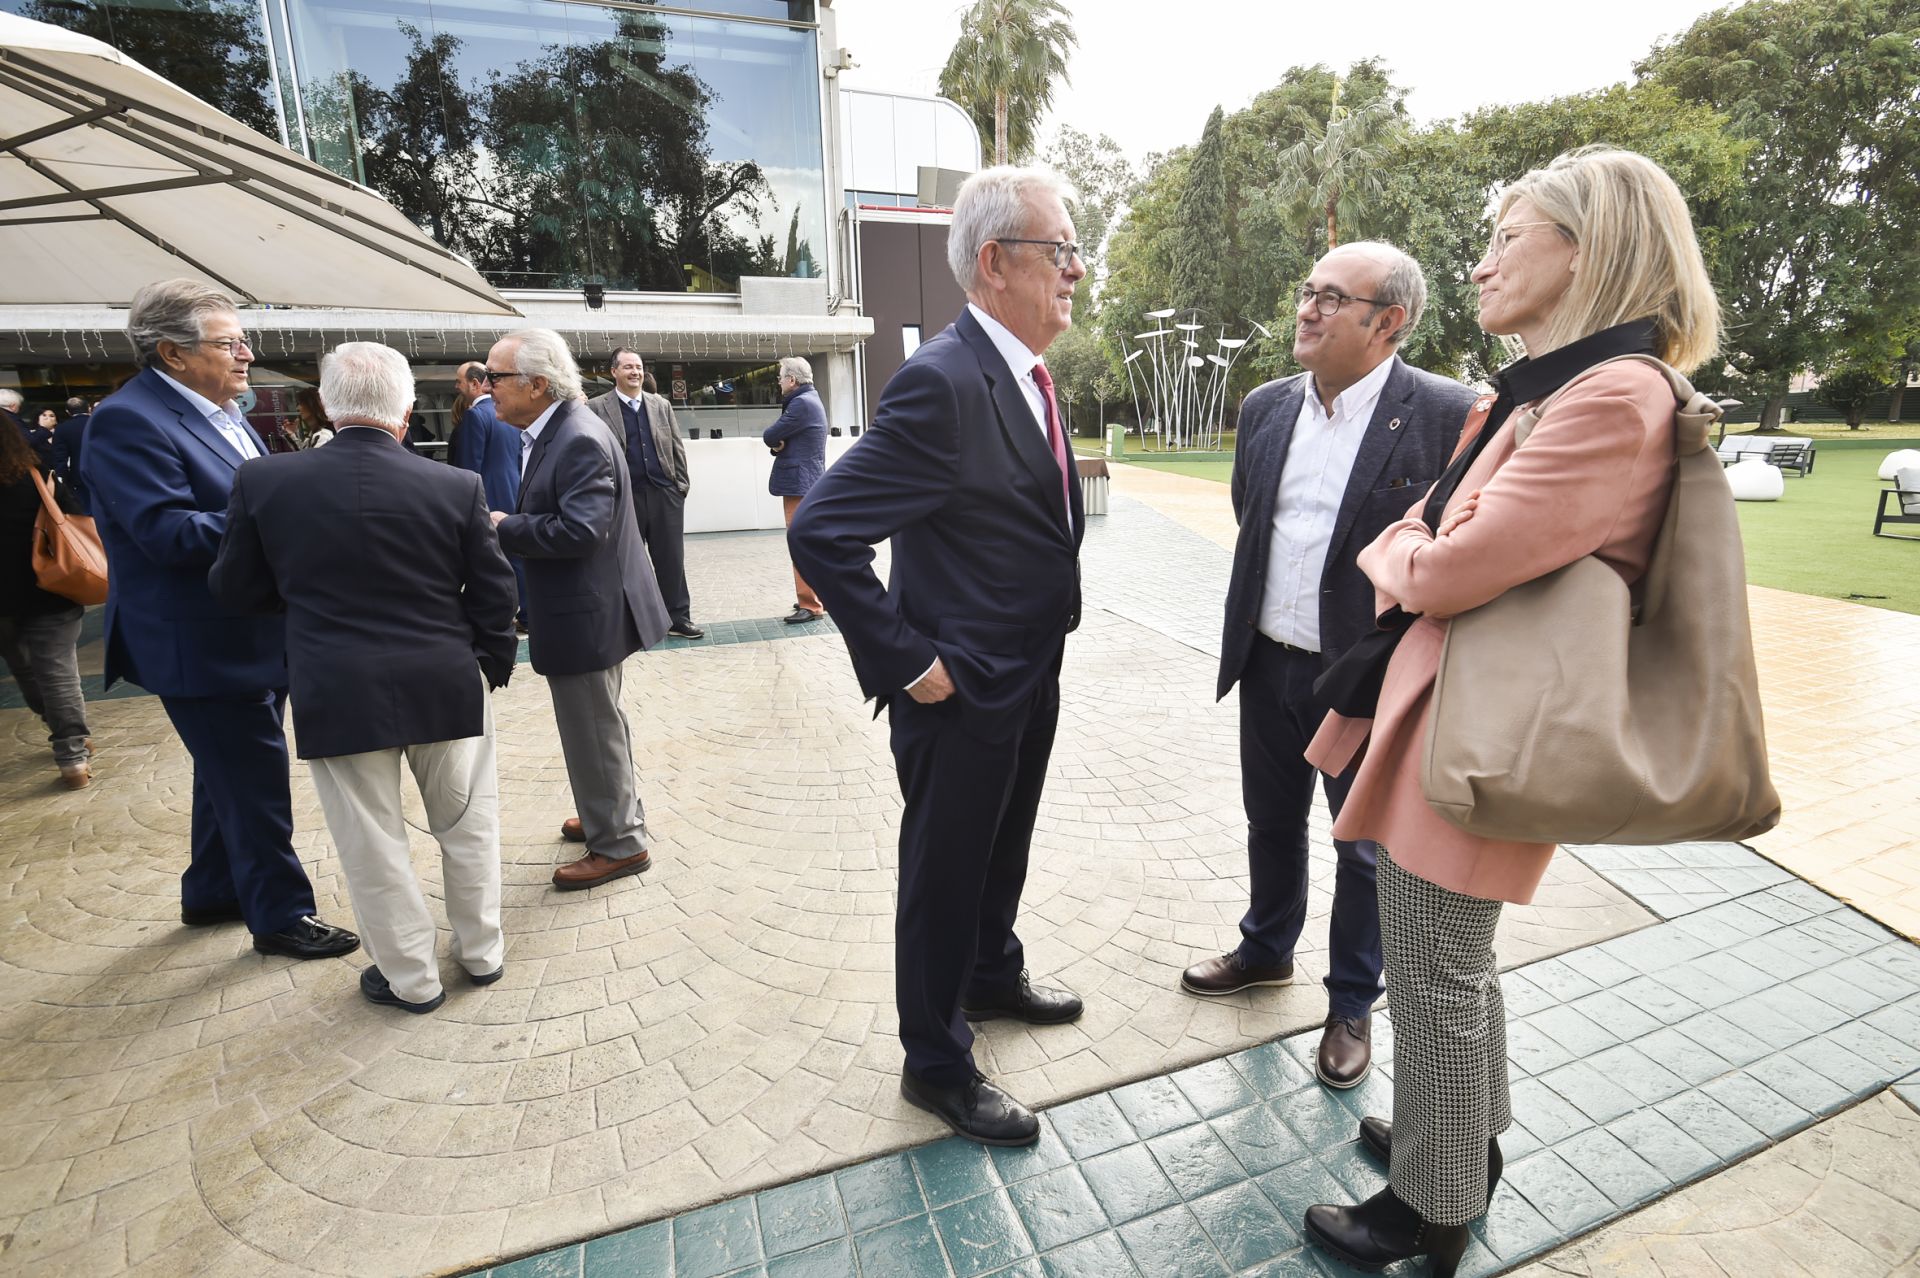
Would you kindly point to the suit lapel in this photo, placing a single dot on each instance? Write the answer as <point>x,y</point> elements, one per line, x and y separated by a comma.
<point>539,453</point>
<point>197,425</point>
<point>1286,416</point>
<point>1028,442</point>
<point>1383,433</point>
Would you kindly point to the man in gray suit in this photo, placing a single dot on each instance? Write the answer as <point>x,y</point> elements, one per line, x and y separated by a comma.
<point>1323,462</point>
<point>591,599</point>
<point>657,462</point>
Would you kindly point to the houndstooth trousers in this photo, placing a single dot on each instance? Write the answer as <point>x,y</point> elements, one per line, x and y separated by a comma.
<point>1449,1043</point>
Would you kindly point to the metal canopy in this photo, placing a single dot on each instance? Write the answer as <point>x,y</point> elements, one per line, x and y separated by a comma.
<point>111,177</point>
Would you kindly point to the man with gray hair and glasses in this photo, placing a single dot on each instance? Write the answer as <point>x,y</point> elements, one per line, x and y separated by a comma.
<point>159,465</point>
<point>591,597</point>
<point>399,609</point>
<point>1323,461</point>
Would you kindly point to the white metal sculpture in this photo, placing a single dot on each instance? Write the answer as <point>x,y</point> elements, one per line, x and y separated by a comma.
<point>1184,383</point>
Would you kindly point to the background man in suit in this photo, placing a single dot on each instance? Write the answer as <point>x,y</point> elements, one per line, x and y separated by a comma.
<point>967,470</point>
<point>1323,461</point>
<point>798,441</point>
<point>657,460</point>
<point>591,597</point>
<point>159,463</point>
<point>490,448</point>
<point>67,437</point>
<point>394,587</point>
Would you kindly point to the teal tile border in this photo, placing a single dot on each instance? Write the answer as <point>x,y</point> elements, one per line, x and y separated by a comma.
<point>1639,1065</point>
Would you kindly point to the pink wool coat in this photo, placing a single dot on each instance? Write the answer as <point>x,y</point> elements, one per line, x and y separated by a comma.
<point>1592,479</point>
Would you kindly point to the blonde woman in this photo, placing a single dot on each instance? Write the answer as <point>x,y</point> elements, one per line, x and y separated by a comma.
<point>1592,257</point>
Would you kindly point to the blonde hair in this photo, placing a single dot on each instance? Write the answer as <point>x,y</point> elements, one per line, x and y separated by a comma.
<point>1639,258</point>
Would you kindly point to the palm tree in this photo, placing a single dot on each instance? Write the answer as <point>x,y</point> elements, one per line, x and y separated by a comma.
<point>1003,67</point>
<point>1336,168</point>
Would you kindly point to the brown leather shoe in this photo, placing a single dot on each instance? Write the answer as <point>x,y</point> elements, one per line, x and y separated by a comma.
<point>572,831</point>
<point>76,776</point>
<point>1229,974</point>
<point>593,869</point>
<point>1346,1051</point>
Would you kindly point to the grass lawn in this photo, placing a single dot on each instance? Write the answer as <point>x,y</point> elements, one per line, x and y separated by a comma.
<point>1816,540</point>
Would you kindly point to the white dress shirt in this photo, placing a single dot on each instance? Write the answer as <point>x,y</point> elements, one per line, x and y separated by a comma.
<point>226,418</point>
<point>532,433</point>
<point>1313,480</point>
<point>1020,362</point>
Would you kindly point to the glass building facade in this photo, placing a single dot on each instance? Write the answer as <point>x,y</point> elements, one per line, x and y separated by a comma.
<point>555,144</point>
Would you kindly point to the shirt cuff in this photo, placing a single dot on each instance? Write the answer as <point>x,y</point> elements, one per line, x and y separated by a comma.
<point>923,674</point>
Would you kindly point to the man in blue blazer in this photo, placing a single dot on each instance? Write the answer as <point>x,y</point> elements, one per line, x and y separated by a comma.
<point>591,597</point>
<point>1323,461</point>
<point>159,464</point>
<point>67,439</point>
<point>490,448</point>
<point>966,469</point>
<point>798,441</point>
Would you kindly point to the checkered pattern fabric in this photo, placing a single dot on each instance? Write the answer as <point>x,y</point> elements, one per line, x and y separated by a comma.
<point>1449,1043</point>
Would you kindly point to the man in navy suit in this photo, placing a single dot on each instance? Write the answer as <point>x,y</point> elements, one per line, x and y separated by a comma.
<point>591,597</point>
<point>1323,461</point>
<point>399,610</point>
<point>967,471</point>
<point>67,438</point>
<point>159,464</point>
<point>490,448</point>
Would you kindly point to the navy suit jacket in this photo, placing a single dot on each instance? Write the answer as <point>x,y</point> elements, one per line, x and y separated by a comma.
<point>591,596</point>
<point>393,584</point>
<point>986,548</point>
<point>490,448</point>
<point>68,436</point>
<point>159,477</point>
<point>803,425</point>
<point>1408,442</point>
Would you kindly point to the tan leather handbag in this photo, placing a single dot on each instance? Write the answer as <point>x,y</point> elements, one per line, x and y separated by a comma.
<point>68,559</point>
<point>1563,714</point>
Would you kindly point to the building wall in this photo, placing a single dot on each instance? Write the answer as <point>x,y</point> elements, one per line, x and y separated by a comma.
<point>906,289</point>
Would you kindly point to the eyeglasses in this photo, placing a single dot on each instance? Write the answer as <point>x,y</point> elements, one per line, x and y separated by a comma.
<point>1328,301</point>
<point>1064,251</point>
<point>230,345</point>
<point>492,378</point>
<point>1504,236</point>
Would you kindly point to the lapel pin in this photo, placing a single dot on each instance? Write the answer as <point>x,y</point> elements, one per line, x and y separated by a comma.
<point>1394,424</point>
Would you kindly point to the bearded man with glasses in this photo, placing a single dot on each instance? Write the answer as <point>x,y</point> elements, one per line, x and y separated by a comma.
<point>1323,461</point>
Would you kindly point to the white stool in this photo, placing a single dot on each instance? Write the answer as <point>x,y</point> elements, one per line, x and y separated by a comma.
<point>1904,459</point>
<point>1753,480</point>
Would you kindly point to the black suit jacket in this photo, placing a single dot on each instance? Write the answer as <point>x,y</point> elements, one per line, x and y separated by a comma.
<point>1408,441</point>
<point>393,585</point>
<point>67,439</point>
<point>591,597</point>
<point>985,547</point>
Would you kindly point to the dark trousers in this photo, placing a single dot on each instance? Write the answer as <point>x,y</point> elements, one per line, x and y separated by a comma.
<point>242,810</point>
<point>661,513</point>
<point>1278,717</point>
<point>964,835</point>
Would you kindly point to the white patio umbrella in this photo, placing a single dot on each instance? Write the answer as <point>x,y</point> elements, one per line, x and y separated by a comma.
<point>111,177</point>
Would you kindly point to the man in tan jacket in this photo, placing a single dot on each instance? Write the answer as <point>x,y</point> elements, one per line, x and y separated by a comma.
<point>657,459</point>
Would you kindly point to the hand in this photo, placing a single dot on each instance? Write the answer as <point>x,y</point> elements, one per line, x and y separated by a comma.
<point>496,516</point>
<point>777,447</point>
<point>932,686</point>
<point>1459,515</point>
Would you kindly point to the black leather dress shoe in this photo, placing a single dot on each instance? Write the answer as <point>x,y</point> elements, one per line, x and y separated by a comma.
<point>1383,1230</point>
<point>374,987</point>
<point>1034,1004</point>
<point>686,630</point>
<point>308,938</point>
<point>975,1109</point>
<point>211,914</point>
<point>488,978</point>
<point>1376,1134</point>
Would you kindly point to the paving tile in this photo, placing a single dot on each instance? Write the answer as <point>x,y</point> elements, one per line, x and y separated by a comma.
<point>1244,1226</point>
<point>905,1249</point>
<point>646,1250</point>
<point>829,1260</point>
<point>1715,979</point>
<point>564,1263</point>
<point>1129,1184</point>
<point>1532,1051</point>
<point>1045,1154</point>
<point>1155,1105</point>
<point>1572,1031</point>
<point>879,1191</point>
<point>1870,1043</point>
<point>1653,1137</point>
<point>1800,1084</point>
<point>1761,1106</point>
<point>1561,1194</point>
<point>1522,997</point>
<point>1317,1118</point>
<point>1636,1073</point>
<point>1611,1167</point>
<point>1852,1073</point>
<point>1598,964</point>
<point>1544,1112</point>
<point>1057,1207</point>
<point>1853,985</point>
<point>1101,1256</point>
<point>981,1234</point>
<point>1685,1058</point>
<point>716,1240</point>
<point>1611,1013</point>
<point>1591,1092</point>
<point>1214,1088</point>
<point>1299,1185</point>
<point>953,1169</point>
<point>1172,1245</point>
<point>1724,1039</point>
<point>1196,1161</point>
<point>1712,1124</point>
<point>1091,1125</point>
<point>1657,998</point>
<point>1272,1071</point>
<point>801,1215</point>
<point>1561,979</point>
<point>1258,1139</point>
<point>1513,1228</point>
<point>1359,1172</point>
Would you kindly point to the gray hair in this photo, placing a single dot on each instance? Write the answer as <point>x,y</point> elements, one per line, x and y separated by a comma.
<point>367,382</point>
<point>11,400</point>
<point>798,369</point>
<point>544,353</point>
<point>996,204</point>
<point>171,311</point>
<point>1402,284</point>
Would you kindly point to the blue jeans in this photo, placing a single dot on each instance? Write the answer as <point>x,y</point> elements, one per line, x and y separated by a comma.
<point>41,653</point>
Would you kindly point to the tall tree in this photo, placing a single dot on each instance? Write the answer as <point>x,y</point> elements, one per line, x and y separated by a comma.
<point>1104,182</point>
<point>1200,228</point>
<point>1336,168</point>
<point>1821,240</point>
<point>1003,67</point>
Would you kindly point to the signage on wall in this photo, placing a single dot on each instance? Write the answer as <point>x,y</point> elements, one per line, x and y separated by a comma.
<point>679,385</point>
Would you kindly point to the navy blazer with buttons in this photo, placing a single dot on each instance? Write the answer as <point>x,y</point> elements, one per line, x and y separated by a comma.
<point>985,546</point>
<point>802,426</point>
<point>159,476</point>
<point>490,448</point>
<point>1408,442</point>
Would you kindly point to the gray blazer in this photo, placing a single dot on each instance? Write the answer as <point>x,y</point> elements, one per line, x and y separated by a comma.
<point>1407,445</point>
<point>591,597</point>
<point>667,440</point>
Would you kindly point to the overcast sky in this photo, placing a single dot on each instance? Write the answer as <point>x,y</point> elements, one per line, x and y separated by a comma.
<point>1149,71</point>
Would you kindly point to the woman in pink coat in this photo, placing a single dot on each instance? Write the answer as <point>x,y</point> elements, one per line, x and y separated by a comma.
<point>1593,257</point>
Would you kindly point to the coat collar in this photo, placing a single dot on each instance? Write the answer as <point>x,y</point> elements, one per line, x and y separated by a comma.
<point>195,422</point>
<point>556,426</point>
<point>1016,419</point>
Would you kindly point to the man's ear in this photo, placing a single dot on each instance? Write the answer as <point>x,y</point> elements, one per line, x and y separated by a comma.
<point>406,415</point>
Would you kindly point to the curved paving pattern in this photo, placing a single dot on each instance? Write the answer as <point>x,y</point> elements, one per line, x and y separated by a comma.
<point>172,1102</point>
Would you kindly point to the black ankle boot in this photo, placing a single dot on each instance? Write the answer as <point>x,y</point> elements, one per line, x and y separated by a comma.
<point>1383,1230</point>
<point>1376,1136</point>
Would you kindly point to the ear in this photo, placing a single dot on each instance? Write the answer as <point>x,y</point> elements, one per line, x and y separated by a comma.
<point>988,266</point>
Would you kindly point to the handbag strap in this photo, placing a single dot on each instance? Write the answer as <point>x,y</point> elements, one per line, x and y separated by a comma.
<point>1693,417</point>
<point>47,499</point>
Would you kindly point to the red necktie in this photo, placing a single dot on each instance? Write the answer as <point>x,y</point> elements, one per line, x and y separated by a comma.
<point>1056,439</point>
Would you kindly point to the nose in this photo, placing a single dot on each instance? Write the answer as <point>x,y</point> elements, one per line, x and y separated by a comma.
<point>1307,309</point>
<point>1484,270</point>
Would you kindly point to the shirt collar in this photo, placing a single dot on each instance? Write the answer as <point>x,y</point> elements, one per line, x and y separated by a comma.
<point>1019,359</point>
<point>229,412</point>
<point>540,422</point>
<point>483,398</point>
<point>635,402</point>
<point>1357,396</point>
<point>1526,380</point>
